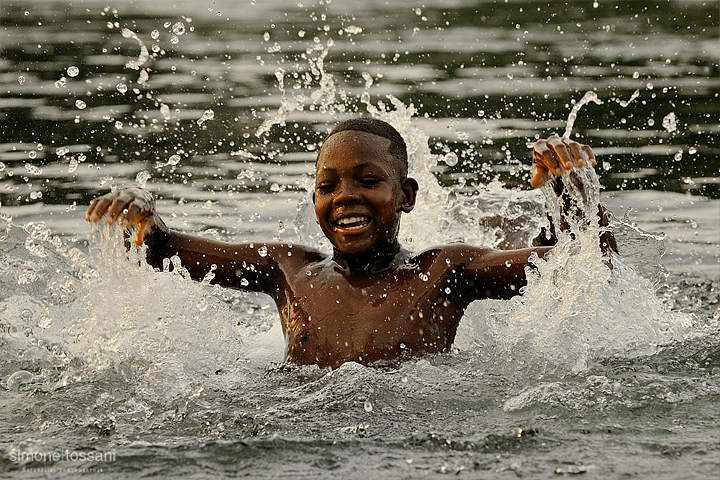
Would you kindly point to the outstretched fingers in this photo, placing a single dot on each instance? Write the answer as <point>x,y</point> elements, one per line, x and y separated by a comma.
<point>562,153</point>
<point>538,175</point>
<point>589,154</point>
<point>556,155</point>
<point>97,209</point>
<point>144,230</point>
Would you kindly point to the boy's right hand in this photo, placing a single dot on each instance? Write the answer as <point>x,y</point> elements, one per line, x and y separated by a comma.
<point>136,206</point>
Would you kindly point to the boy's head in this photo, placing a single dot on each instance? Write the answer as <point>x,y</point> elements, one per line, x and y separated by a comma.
<point>362,187</point>
<point>397,149</point>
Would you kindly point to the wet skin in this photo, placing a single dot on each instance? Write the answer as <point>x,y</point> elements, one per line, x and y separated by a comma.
<point>370,300</point>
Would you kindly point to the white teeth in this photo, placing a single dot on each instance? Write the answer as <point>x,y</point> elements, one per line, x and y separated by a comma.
<point>352,220</point>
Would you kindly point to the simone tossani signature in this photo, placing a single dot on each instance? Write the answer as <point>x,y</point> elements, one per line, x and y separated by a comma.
<point>62,460</point>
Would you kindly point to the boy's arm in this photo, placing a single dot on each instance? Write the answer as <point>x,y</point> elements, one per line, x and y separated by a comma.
<point>247,267</point>
<point>489,273</point>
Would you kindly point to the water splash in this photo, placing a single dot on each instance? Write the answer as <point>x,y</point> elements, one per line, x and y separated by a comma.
<point>579,305</point>
<point>317,90</point>
<point>142,178</point>
<point>143,56</point>
<point>207,115</point>
<point>587,98</point>
<point>669,122</point>
<point>625,103</point>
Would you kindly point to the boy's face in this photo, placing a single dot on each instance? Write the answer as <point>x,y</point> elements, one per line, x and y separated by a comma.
<point>359,192</point>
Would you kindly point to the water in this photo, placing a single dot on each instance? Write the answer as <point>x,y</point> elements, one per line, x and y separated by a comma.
<point>603,372</point>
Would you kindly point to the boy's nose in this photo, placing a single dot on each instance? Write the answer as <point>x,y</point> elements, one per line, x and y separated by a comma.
<point>346,193</point>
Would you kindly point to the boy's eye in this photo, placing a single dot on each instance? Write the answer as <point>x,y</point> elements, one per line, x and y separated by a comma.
<point>325,187</point>
<point>370,182</point>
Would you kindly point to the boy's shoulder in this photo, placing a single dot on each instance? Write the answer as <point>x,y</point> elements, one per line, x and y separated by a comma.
<point>291,253</point>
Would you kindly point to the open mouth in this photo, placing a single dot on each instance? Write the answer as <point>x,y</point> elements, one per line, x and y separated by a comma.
<point>352,223</point>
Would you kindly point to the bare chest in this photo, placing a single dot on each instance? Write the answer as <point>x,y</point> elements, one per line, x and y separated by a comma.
<point>330,319</point>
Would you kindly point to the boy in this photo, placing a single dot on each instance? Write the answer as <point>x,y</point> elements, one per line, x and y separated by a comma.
<point>370,300</point>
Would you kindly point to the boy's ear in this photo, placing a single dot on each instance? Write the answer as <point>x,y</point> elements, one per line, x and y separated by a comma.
<point>409,190</point>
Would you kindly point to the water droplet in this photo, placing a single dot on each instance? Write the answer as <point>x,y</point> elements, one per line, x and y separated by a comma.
<point>121,87</point>
<point>18,379</point>
<point>266,36</point>
<point>165,111</point>
<point>73,71</point>
<point>207,115</point>
<point>174,40</point>
<point>651,122</point>
<point>368,406</point>
<point>32,154</point>
<point>155,34</point>
<point>45,321</point>
<point>263,251</point>
<point>119,125</point>
<point>301,33</point>
<point>62,151</point>
<point>692,150</point>
<point>669,122</point>
<point>73,165</point>
<point>142,178</point>
<point>606,166</point>
<point>61,83</point>
<point>353,29</point>
<point>21,79</point>
<point>678,156</point>
<point>203,304</point>
<point>450,159</point>
<point>636,74</point>
<point>179,28</point>
<point>173,160</point>
<point>80,105</point>
<point>244,282</point>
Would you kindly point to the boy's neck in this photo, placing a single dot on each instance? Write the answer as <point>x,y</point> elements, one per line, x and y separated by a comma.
<point>372,262</point>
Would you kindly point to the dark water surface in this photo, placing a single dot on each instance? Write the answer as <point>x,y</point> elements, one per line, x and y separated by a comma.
<point>219,107</point>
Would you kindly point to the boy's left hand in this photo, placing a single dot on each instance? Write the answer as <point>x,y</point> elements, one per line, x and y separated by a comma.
<point>554,156</point>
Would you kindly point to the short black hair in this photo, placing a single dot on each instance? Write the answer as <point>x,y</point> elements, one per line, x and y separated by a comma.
<point>397,148</point>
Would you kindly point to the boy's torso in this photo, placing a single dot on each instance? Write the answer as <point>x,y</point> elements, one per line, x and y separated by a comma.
<point>331,316</point>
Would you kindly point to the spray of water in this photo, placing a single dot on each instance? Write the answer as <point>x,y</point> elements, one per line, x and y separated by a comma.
<point>170,331</point>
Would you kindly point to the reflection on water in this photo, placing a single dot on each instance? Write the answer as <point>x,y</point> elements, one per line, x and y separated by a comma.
<point>88,85</point>
<point>179,377</point>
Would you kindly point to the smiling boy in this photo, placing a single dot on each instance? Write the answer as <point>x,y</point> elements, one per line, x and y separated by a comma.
<point>370,300</point>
